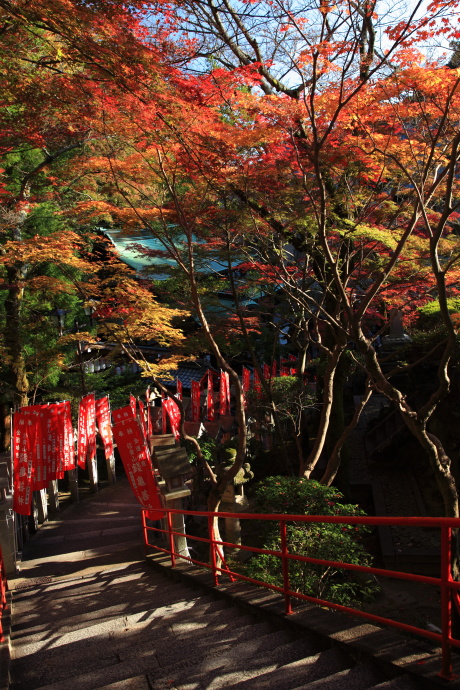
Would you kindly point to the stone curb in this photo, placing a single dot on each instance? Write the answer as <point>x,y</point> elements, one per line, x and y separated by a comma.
<point>387,649</point>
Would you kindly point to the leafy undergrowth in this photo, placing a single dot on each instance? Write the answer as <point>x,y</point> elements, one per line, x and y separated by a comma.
<point>325,541</point>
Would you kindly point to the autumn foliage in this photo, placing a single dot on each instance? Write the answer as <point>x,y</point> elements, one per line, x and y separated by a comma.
<point>324,165</point>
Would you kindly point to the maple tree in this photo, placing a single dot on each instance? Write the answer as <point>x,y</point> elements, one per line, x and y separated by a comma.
<point>323,129</point>
<point>57,61</point>
<point>361,167</point>
<point>380,192</point>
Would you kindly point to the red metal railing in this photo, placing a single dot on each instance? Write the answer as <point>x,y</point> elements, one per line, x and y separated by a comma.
<point>3,591</point>
<point>449,588</point>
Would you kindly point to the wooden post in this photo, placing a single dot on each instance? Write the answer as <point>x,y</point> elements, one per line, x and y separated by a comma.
<point>93,476</point>
<point>53,495</point>
<point>42,506</point>
<point>72,477</point>
<point>111,469</point>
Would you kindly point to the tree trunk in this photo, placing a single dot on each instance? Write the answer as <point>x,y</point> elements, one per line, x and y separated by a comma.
<point>334,460</point>
<point>17,373</point>
<point>439,460</point>
<point>328,398</point>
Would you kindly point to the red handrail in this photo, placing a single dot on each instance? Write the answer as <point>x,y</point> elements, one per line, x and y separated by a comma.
<point>445,582</point>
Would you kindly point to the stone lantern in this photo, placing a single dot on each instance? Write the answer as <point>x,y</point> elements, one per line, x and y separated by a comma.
<point>233,499</point>
<point>175,469</point>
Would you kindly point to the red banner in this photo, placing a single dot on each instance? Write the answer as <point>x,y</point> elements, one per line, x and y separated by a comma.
<point>53,452</point>
<point>142,418</point>
<point>138,467</point>
<point>132,402</point>
<point>284,371</point>
<point>179,389</point>
<point>170,406</point>
<point>257,383</point>
<point>36,412</point>
<point>164,424</point>
<point>25,427</point>
<point>91,420</point>
<point>148,412</point>
<point>266,370</point>
<point>69,452</point>
<point>292,358</point>
<point>224,394</point>
<point>53,431</point>
<point>43,436</point>
<point>196,393</point>
<point>104,425</point>
<point>293,371</point>
<point>122,413</point>
<point>210,397</point>
<point>246,381</point>
<point>86,430</point>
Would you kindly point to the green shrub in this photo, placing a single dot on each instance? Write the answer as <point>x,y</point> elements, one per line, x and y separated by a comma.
<point>335,542</point>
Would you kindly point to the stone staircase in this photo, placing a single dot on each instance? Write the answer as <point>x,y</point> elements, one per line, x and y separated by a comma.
<point>89,611</point>
<point>134,628</point>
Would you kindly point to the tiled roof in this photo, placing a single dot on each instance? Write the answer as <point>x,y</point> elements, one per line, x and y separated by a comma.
<point>186,373</point>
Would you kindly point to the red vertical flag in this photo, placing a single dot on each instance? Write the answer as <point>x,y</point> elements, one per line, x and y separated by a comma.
<point>24,434</point>
<point>38,468</point>
<point>122,413</point>
<point>148,412</point>
<point>82,448</point>
<point>170,407</point>
<point>292,358</point>
<point>104,425</point>
<point>179,389</point>
<point>53,432</point>
<point>91,419</point>
<point>69,455</point>
<point>246,381</point>
<point>266,370</point>
<point>210,397</point>
<point>86,429</point>
<point>163,415</point>
<point>257,383</point>
<point>138,467</point>
<point>142,418</point>
<point>132,402</point>
<point>196,393</point>
<point>224,394</point>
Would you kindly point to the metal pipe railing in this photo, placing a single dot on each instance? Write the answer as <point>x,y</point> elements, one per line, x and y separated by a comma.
<point>448,586</point>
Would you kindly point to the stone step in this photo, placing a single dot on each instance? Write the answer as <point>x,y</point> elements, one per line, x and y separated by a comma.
<point>121,581</point>
<point>51,546</point>
<point>90,560</point>
<point>287,676</point>
<point>32,639</point>
<point>86,616</point>
<point>324,671</point>
<point>401,683</point>
<point>359,677</point>
<point>130,647</point>
<point>114,667</point>
<point>59,536</point>
<point>136,683</point>
<point>246,661</point>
